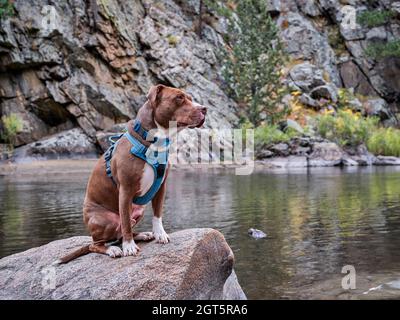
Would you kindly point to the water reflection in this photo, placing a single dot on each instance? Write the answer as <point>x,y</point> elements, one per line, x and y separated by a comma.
<point>317,221</point>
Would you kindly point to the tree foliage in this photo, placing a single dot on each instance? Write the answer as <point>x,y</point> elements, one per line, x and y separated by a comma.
<point>6,8</point>
<point>252,62</point>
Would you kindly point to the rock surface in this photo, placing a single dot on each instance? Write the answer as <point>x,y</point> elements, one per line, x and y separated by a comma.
<point>66,144</point>
<point>196,264</point>
<point>328,51</point>
<point>89,64</point>
<point>317,152</point>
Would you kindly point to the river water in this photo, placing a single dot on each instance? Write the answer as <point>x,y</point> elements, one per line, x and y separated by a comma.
<point>317,222</point>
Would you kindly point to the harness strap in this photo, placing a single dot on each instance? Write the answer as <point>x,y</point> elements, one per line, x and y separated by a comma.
<point>109,153</point>
<point>156,156</point>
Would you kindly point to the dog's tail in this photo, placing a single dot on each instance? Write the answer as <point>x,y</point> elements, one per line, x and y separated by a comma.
<point>73,255</point>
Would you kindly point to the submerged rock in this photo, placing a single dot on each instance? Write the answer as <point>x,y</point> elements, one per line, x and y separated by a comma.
<point>257,234</point>
<point>196,264</point>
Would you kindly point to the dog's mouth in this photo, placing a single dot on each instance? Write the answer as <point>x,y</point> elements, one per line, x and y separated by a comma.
<point>191,126</point>
<point>201,123</point>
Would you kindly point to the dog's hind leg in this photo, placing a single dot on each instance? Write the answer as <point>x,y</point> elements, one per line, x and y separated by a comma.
<point>112,251</point>
<point>104,226</point>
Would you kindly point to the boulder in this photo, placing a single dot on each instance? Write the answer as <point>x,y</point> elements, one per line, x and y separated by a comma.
<point>354,78</point>
<point>280,149</point>
<point>325,154</point>
<point>328,92</point>
<point>359,155</point>
<point>377,34</point>
<point>304,42</point>
<point>69,144</point>
<point>274,6</point>
<point>307,76</point>
<point>377,107</point>
<point>396,7</point>
<point>196,264</point>
<point>264,153</point>
<point>386,161</point>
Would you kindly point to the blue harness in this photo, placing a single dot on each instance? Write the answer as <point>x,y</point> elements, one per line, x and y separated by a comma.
<point>156,155</point>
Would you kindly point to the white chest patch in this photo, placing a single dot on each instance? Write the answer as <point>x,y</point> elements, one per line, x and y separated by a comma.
<point>147,179</point>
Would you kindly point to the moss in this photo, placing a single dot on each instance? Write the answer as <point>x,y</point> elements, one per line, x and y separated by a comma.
<point>6,8</point>
<point>173,40</point>
<point>336,40</point>
<point>383,50</point>
<point>374,18</point>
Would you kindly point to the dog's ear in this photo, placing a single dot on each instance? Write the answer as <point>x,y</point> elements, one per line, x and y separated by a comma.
<point>154,94</point>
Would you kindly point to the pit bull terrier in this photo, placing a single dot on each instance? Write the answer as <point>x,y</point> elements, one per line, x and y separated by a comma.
<point>109,209</point>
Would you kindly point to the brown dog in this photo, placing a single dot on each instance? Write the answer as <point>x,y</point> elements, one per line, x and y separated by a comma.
<point>108,211</point>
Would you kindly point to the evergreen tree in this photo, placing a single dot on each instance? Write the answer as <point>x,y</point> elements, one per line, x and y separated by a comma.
<point>252,62</point>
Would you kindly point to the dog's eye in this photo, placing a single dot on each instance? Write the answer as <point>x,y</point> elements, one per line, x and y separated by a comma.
<point>180,98</point>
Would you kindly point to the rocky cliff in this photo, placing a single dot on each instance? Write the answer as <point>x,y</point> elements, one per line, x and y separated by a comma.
<point>88,65</point>
<point>328,47</point>
<point>79,68</point>
<point>196,264</point>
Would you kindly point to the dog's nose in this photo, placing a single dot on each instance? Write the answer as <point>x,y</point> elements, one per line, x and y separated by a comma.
<point>203,110</point>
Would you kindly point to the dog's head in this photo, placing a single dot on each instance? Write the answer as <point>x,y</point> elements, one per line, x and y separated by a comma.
<point>170,104</point>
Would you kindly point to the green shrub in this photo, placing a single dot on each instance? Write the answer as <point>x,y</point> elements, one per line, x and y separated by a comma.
<point>385,142</point>
<point>374,18</point>
<point>6,8</point>
<point>267,135</point>
<point>383,50</point>
<point>346,129</point>
<point>12,124</point>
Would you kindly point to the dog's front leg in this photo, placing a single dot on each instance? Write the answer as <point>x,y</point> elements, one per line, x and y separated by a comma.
<point>129,246</point>
<point>157,203</point>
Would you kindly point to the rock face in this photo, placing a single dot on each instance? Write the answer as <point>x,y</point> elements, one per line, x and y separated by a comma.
<point>196,264</point>
<point>89,64</point>
<point>331,51</point>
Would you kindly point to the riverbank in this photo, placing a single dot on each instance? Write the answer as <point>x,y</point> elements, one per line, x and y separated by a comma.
<point>85,166</point>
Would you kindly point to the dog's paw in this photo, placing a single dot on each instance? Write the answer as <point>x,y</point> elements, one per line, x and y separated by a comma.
<point>161,237</point>
<point>158,231</point>
<point>114,251</point>
<point>129,248</point>
<point>144,236</point>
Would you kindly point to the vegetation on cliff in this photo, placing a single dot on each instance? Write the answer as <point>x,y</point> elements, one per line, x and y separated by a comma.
<point>252,62</point>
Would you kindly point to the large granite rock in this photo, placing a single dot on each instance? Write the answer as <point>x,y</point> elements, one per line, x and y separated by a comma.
<point>196,264</point>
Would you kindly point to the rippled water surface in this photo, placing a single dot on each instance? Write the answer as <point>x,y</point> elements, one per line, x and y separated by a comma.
<point>317,221</point>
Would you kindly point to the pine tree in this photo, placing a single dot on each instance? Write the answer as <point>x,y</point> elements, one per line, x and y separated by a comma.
<point>252,62</point>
